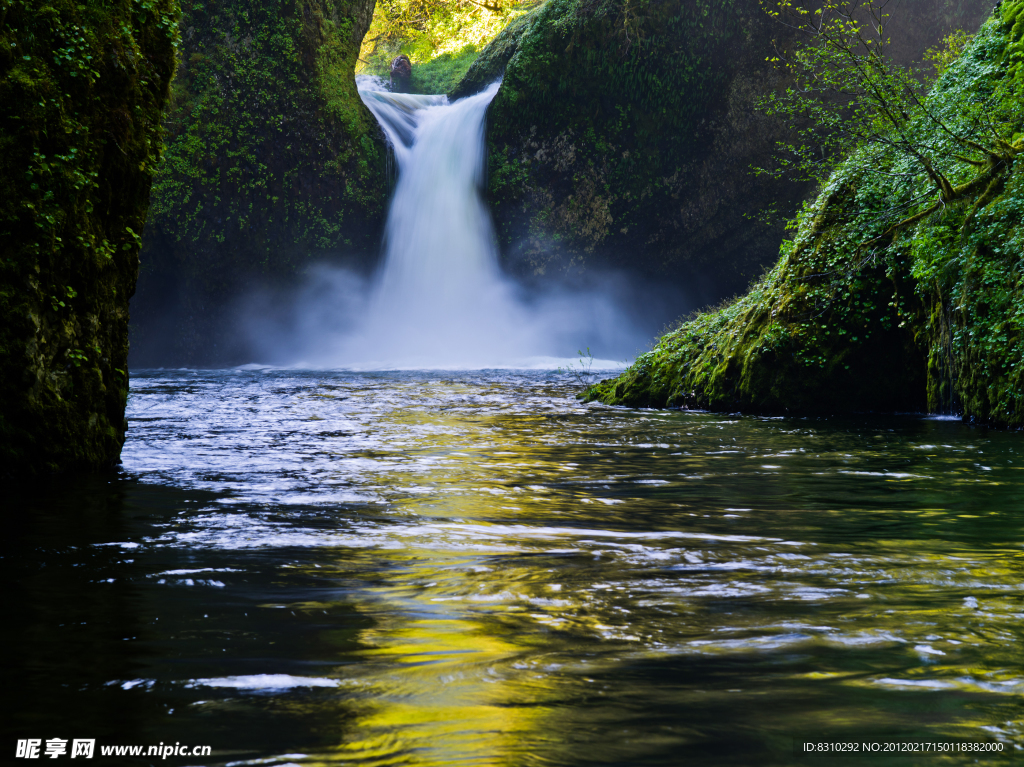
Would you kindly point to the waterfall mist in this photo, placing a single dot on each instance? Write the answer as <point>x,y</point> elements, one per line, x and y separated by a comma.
<point>439,298</point>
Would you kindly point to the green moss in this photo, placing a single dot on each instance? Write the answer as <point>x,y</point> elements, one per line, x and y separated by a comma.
<point>931,316</point>
<point>272,160</point>
<point>83,87</point>
<point>613,118</point>
<point>441,74</point>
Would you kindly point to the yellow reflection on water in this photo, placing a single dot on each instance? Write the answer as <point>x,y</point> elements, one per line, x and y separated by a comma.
<point>446,700</point>
<point>463,664</point>
<point>439,680</point>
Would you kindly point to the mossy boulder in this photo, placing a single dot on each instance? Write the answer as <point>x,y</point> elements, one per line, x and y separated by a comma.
<point>272,162</point>
<point>859,314</point>
<point>83,88</point>
<point>624,131</point>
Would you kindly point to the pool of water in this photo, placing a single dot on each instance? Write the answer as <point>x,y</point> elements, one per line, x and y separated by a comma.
<point>475,569</point>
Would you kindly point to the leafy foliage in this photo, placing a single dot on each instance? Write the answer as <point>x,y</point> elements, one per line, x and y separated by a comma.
<point>943,55</point>
<point>847,94</point>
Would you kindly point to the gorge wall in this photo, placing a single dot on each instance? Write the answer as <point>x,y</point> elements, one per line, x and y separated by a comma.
<point>83,88</point>
<point>885,299</point>
<point>272,162</point>
<point>622,136</point>
<point>624,131</point>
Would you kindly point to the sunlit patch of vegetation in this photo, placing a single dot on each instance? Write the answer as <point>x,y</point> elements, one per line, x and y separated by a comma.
<point>949,49</point>
<point>442,38</point>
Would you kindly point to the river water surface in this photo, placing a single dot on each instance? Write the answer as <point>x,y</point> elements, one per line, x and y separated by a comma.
<point>475,569</point>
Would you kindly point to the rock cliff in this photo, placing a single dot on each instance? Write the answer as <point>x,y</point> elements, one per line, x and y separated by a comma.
<point>272,161</point>
<point>885,299</point>
<point>82,88</point>
<point>624,131</point>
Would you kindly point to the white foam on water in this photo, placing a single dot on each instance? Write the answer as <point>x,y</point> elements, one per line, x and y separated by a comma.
<point>264,682</point>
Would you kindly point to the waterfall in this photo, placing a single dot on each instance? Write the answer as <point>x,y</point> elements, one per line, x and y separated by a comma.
<point>439,299</point>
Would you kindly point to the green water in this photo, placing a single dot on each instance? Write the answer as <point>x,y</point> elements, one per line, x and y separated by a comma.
<point>475,569</point>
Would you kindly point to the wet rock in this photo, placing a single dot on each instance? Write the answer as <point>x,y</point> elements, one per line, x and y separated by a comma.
<point>628,145</point>
<point>401,72</point>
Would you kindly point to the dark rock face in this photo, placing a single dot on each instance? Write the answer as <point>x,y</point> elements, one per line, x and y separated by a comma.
<point>272,161</point>
<point>623,134</point>
<point>401,74</point>
<point>83,89</point>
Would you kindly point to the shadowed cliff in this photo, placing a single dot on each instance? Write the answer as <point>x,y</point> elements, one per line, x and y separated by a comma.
<point>83,89</point>
<point>272,162</point>
<point>623,134</point>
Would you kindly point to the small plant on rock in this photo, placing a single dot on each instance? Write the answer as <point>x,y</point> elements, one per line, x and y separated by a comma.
<point>581,368</point>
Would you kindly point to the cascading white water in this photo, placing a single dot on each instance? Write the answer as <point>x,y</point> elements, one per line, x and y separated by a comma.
<point>439,299</point>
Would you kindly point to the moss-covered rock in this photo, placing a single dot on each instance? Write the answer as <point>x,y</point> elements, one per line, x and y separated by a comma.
<point>272,160</point>
<point>624,130</point>
<point>83,88</point>
<point>861,315</point>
